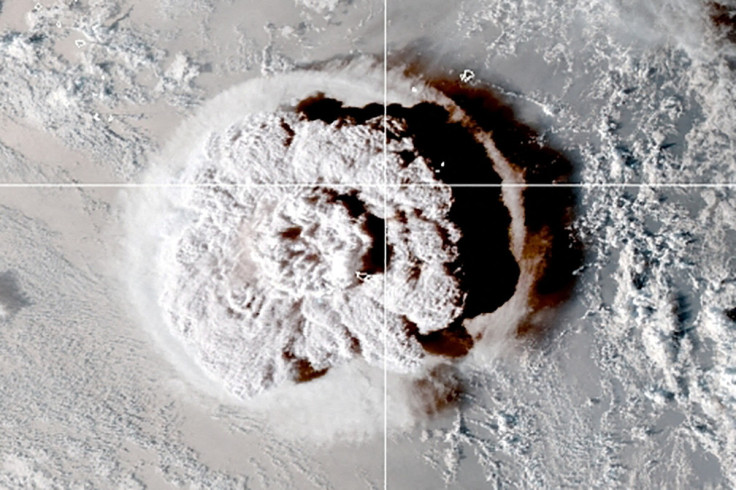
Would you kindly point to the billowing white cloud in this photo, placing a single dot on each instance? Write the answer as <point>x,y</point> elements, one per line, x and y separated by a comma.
<point>276,253</point>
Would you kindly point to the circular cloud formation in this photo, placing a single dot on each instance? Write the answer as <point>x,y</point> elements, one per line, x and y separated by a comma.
<point>269,281</point>
<point>309,230</point>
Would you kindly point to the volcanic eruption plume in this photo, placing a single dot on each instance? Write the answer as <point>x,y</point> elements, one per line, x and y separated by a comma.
<point>307,230</point>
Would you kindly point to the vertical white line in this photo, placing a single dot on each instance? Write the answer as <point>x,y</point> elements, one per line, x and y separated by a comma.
<point>385,246</point>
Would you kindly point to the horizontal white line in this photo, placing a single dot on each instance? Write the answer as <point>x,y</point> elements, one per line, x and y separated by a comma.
<point>583,185</point>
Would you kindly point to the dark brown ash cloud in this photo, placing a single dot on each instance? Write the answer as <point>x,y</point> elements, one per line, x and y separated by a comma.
<point>488,270</point>
<point>548,212</point>
<point>485,264</point>
<point>723,18</point>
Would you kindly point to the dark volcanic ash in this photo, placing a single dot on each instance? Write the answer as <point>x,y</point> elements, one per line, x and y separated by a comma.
<point>296,245</point>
